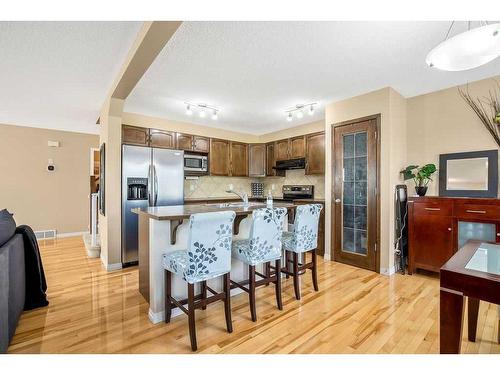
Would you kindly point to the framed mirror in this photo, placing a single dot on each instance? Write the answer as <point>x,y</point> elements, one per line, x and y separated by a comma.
<point>469,174</point>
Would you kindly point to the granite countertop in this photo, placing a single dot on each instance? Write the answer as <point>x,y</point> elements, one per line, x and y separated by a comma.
<point>226,198</point>
<point>184,211</point>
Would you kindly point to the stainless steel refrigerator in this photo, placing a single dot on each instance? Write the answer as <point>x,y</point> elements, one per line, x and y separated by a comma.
<point>150,177</point>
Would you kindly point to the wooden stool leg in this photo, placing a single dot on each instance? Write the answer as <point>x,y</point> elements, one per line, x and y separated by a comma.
<point>251,294</point>
<point>227,302</point>
<point>279,300</point>
<point>191,316</point>
<point>286,263</point>
<point>315,270</point>
<point>204,292</point>
<point>168,293</point>
<point>296,285</point>
<point>267,269</point>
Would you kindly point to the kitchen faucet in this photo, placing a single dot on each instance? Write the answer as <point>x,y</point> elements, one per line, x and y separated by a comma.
<point>243,196</point>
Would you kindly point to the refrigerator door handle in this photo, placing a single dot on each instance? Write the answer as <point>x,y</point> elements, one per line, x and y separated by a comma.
<point>155,186</point>
<point>150,187</point>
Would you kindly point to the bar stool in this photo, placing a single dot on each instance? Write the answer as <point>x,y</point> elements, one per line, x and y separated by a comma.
<point>303,239</point>
<point>262,247</point>
<point>208,256</point>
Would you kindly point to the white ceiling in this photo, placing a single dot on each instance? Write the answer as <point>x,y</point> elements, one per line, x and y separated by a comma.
<point>253,71</point>
<point>57,74</point>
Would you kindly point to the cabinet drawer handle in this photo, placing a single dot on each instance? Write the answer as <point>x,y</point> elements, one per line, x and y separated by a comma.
<point>475,211</point>
<point>432,209</point>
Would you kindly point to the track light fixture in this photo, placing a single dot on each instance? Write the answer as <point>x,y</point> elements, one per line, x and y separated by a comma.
<point>202,110</point>
<point>298,110</point>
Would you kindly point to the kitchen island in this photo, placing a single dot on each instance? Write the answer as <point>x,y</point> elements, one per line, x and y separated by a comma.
<point>165,229</point>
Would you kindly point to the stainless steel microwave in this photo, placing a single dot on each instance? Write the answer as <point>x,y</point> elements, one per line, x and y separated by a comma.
<point>195,164</point>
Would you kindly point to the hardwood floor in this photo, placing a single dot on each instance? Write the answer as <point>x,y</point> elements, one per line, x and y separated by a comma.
<point>355,311</point>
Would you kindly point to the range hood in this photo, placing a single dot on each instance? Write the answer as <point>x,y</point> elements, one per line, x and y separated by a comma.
<point>283,165</point>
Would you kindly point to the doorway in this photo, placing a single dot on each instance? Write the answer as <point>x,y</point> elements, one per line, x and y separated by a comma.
<point>355,197</point>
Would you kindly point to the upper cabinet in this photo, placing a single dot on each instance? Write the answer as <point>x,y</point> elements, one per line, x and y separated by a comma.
<point>161,138</point>
<point>219,157</point>
<point>184,142</point>
<point>239,159</point>
<point>257,160</point>
<point>270,160</point>
<point>201,144</point>
<point>281,151</point>
<point>315,153</point>
<point>188,142</point>
<point>297,147</point>
<point>133,135</point>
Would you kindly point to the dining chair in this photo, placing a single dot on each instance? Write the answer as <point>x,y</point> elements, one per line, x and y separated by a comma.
<point>262,247</point>
<point>302,238</point>
<point>208,256</point>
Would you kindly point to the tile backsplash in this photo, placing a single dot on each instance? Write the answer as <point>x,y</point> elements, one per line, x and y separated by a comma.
<point>215,187</point>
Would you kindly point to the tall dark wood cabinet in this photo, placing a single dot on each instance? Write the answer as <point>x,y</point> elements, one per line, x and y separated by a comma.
<point>257,160</point>
<point>219,157</point>
<point>315,153</point>
<point>434,225</point>
<point>239,159</point>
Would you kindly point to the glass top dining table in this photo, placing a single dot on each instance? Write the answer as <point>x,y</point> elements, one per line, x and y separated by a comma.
<point>485,259</point>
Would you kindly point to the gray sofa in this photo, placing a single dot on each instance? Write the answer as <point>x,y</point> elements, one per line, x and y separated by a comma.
<point>12,280</point>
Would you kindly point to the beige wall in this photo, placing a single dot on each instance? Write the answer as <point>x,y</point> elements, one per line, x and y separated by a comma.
<point>46,200</point>
<point>392,108</point>
<point>441,122</point>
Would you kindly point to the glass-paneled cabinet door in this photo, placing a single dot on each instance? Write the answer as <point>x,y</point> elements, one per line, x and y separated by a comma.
<point>355,203</point>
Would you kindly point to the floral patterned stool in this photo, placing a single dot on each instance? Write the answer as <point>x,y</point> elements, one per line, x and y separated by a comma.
<point>303,239</point>
<point>208,256</point>
<point>262,247</point>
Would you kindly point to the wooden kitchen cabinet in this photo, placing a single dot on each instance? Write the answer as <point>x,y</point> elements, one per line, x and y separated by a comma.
<point>297,147</point>
<point>270,160</point>
<point>184,142</point>
<point>282,150</point>
<point>315,153</point>
<point>239,159</point>
<point>134,135</point>
<point>188,142</point>
<point>219,157</point>
<point>257,160</point>
<point>201,144</point>
<point>161,138</point>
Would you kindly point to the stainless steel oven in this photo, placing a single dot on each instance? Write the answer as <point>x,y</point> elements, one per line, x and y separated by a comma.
<point>195,165</point>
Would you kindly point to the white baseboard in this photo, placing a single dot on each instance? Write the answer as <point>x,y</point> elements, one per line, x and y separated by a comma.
<point>70,234</point>
<point>113,267</point>
<point>387,271</point>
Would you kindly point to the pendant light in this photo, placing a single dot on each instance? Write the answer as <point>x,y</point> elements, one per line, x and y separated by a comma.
<point>466,50</point>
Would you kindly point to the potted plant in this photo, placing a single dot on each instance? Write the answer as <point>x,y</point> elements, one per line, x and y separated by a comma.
<point>420,175</point>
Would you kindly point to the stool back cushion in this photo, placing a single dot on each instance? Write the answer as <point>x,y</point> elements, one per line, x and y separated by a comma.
<point>266,232</point>
<point>209,244</point>
<point>306,227</point>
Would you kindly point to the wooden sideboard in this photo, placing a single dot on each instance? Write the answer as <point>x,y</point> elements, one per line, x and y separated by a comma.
<point>433,227</point>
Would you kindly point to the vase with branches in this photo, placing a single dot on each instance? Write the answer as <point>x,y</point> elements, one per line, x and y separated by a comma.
<point>420,175</point>
<point>487,108</point>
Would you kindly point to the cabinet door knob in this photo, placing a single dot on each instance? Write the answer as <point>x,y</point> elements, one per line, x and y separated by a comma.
<point>449,229</point>
<point>337,200</point>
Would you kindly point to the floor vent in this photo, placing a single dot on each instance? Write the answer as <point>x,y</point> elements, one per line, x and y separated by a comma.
<point>45,234</point>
